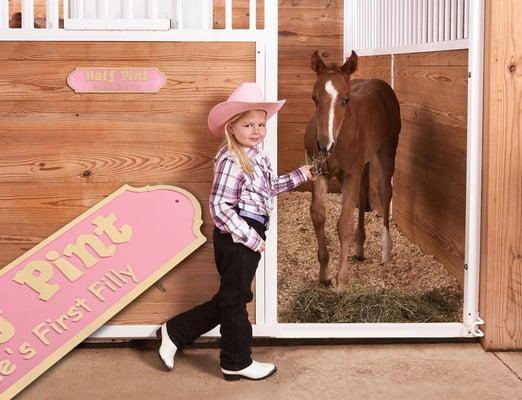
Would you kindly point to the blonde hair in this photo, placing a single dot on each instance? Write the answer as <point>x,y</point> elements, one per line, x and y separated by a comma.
<point>235,147</point>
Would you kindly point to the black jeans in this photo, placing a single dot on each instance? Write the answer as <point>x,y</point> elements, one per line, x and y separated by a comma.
<point>237,266</point>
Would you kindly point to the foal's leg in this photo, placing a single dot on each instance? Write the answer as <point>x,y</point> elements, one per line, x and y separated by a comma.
<point>360,234</point>
<point>318,214</point>
<point>386,155</point>
<point>350,192</point>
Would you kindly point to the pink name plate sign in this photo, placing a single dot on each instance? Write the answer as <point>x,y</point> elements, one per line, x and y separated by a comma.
<point>66,287</point>
<point>116,80</point>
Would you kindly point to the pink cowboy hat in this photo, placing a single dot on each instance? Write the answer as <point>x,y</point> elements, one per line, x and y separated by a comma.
<point>246,97</point>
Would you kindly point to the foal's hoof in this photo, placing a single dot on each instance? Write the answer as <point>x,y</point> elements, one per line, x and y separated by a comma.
<point>327,283</point>
<point>359,258</point>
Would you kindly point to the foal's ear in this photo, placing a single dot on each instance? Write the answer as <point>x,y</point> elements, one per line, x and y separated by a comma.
<point>317,63</point>
<point>350,66</point>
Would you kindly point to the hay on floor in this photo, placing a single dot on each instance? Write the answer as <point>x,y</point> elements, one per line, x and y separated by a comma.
<point>412,287</point>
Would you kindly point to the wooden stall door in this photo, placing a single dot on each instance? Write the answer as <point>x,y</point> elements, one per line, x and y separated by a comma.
<point>63,152</point>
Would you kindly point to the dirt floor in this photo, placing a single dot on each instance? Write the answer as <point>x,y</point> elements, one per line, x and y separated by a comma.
<point>410,271</point>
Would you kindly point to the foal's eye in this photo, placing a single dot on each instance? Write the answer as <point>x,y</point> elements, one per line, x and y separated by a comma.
<point>345,100</point>
<point>315,99</point>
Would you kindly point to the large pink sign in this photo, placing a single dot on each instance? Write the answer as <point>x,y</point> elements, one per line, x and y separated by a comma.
<point>116,80</point>
<point>62,290</point>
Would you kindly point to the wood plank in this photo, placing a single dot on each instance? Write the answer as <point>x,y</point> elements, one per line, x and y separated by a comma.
<point>24,80</point>
<point>430,178</point>
<point>151,52</point>
<point>501,239</point>
<point>433,58</point>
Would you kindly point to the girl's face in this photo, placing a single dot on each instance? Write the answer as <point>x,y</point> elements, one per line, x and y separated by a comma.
<point>250,129</point>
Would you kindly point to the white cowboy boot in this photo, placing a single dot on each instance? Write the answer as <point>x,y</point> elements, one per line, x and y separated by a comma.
<point>167,350</point>
<point>255,371</point>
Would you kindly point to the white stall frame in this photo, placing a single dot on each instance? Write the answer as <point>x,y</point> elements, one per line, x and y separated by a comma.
<point>266,76</point>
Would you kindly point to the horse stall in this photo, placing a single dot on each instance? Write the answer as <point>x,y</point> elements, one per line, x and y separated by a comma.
<point>424,50</point>
<point>62,152</point>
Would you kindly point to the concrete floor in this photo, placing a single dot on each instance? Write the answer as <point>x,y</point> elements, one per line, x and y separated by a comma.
<point>347,371</point>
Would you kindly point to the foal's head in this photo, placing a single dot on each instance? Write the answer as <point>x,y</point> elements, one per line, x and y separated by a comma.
<point>331,95</point>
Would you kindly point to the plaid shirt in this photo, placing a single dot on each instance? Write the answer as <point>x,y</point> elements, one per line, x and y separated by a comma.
<point>234,189</point>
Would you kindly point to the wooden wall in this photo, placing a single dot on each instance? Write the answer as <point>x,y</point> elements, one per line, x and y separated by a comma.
<point>501,244</point>
<point>63,152</point>
<point>429,203</point>
<point>304,26</point>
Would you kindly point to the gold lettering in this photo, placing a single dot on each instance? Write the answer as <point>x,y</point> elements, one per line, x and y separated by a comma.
<point>111,79</point>
<point>145,76</point>
<point>40,334</point>
<point>68,269</point>
<point>7,367</point>
<point>39,282</point>
<point>27,350</point>
<point>74,314</point>
<point>96,244</point>
<point>89,75</point>
<point>96,288</point>
<point>106,225</point>
<point>7,330</point>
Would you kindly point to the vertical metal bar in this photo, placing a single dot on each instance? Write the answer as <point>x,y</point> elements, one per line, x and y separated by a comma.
<point>152,9</point>
<point>51,14</point>
<point>453,33</point>
<point>447,20</point>
<point>460,19</point>
<point>27,14</point>
<point>4,15</point>
<point>435,20</point>
<point>414,22</point>
<point>66,12</point>
<point>102,9</point>
<point>128,7</point>
<point>270,88</point>
<point>424,21</point>
<point>466,19</point>
<point>395,11</point>
<point>205,14</point>
<point>474,162</point>
<point>228,14</point>
<point>179,14</point>
<point>430,21</point>
<point>80,9</point>
<point>410,21</point>
<point>441,20</point>
<point>252,14</point>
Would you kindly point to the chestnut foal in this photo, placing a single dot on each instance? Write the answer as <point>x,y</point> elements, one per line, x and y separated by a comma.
<point>354,121</point>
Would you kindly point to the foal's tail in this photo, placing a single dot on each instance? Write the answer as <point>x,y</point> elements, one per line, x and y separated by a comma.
<point>364,194</point>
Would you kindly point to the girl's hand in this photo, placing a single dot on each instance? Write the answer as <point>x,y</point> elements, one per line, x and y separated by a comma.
<point>307,169</point>
<point>261,247</point>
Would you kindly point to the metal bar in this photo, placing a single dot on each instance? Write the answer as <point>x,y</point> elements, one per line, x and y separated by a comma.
<point>447,20</point>
<point>4,15</point>
<point>466,19</point>
<point>152,9</point>
<point>228,14</point>
<point>252,14</point>
<point>453,32</point>
<point>179,14</point>
<point>474,162</point>
<point>435,20</point>
<point>424,21</point>
<point>205,14</point>
<point>80,9</point>
<point>102,9</point>
<point>460,19</point>
<point>127,9</point>
<point>27,14</point>
<point>51,14</point>
<point>430,21</point>
<point>441,20</point>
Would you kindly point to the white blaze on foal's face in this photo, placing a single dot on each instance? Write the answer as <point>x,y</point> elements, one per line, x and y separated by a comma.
<point>333,93</point>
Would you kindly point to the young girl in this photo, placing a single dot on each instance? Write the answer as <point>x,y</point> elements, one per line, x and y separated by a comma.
<point>240,206</point>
